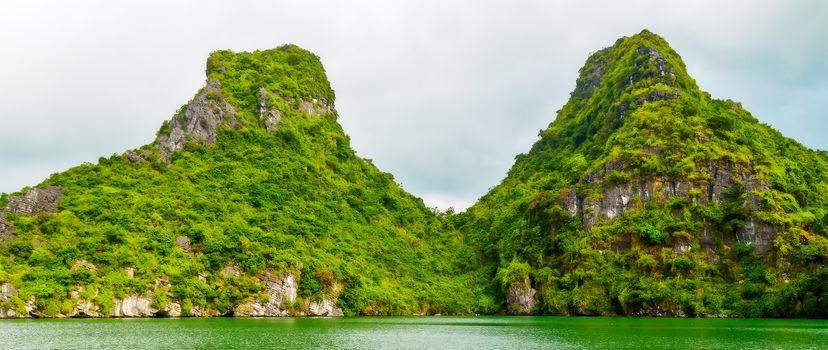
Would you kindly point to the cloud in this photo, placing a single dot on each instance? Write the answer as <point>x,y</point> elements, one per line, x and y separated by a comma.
<point>443,94</point>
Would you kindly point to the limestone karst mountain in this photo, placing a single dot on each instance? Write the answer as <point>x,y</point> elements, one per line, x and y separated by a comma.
<point>646,196</point>
<point>250,202</point>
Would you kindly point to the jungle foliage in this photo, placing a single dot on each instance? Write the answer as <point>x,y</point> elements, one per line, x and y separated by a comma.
<point>637,116</point>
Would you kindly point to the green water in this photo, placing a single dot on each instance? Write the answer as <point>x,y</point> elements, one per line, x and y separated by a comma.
<point>414,333</point>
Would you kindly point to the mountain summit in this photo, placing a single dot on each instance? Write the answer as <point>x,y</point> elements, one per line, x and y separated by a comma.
<point>250,202</point>
<point>646,196</point>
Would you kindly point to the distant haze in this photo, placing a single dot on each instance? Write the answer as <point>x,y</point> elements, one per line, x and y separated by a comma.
<point>442,94</point>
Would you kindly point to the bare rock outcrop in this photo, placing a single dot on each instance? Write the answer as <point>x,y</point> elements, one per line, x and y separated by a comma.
<point>326,305</point>
<point>183,242</point>
<point>198,121</point>
<point>11,306</point>
<point>133,306</point>
<point>281,294</point>
<point>84,264</point>
<point>6,232</point>
<point>83,307</point>
<point>280,300</point>
<point>659,63</point>
<point>7,307</point>
<point>315,107</point>
<point>591,74</point>
<point>136,157</point>
<point>520,298</point>
<point>35,201</point>
<point>611,201</point>
<point>198,311</point>
<point>269,115</point>
<point>323,307</point>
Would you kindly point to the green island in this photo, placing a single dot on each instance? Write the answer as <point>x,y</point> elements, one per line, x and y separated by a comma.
<point>644,197</point>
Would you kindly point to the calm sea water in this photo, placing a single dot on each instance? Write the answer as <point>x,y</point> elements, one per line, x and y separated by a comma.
<point>414,333</point>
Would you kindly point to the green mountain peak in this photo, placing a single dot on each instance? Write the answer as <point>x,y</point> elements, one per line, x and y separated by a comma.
<point>250,202</point>
<point>637,62</point>
<point>288,71</point>
<point>646,196</point>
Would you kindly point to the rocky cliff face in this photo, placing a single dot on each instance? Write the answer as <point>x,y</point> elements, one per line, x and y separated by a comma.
<point>520,298</point>
<point>325,305</point>
<point>609,201</point>
<point>10,305</point>
<point>198,121</point>
<point>133,306</point>
<point>254,173</point>
<point>269,115</point>
<point>645,191</point>
<point>35,201</point>
<point>279,299</point>
<point>6,232</point>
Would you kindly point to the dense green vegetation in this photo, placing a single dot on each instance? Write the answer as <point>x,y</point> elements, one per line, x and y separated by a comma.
<point>637,117</point>
<point>645,196</point>
<point>297,199</point>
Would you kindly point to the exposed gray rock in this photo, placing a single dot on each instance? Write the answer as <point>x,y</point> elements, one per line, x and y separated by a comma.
<point>172,309</point>
<point>133,306</point>
<point>198,311</point>
<point>658,95</point>
<point>84,264</point>
<point>7,309</point>
<point>618,199</point>
<point>571,201</point>
<point>662,68</point>
<point>6,232</point>
<point>520,298</point>
<point>135,157</point>
<point>682,247</point>
<point>183,242</point>
<point>591,74</point>
<point>726,175</point>
<point>83,308</point>
<point>615,200</point>
<point>31,308</point>
<point>314,107</point>
<point>7,313</point>
<point>130,271</point>
<point>162,282</point>
<point>7,291</point>
<point>198,121</point>
<point>35,201</point>
<point>281,294</point>
<point>267,114</point>
<point>324,307</point>
<point>760,235</point>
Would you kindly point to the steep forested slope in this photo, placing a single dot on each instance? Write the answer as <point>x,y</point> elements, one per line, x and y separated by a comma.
<point>250,202</point>
<point>646,196</point>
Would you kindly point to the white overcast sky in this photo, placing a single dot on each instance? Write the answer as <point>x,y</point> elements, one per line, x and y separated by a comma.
<point>443,94</point>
